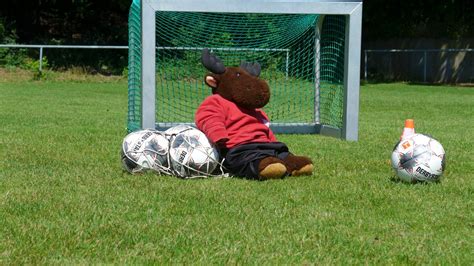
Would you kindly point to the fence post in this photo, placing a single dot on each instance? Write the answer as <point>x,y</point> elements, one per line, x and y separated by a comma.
<point>41,60</point>
<point>448,68</point>
<point>424,66</point>
<point>365,65</point>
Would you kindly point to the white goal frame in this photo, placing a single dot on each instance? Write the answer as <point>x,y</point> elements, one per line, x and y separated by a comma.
<point>352,9</point>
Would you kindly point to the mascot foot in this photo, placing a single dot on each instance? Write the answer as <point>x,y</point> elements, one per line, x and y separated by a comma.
<point>305,170</point>
<point>271,168</point>
<point>299,165</point>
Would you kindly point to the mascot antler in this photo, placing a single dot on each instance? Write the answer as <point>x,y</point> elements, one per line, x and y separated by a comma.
<point>253,69</point>
<point>212,62</point>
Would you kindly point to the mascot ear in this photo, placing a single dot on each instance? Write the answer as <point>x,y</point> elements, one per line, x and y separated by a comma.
<point>211,81</point>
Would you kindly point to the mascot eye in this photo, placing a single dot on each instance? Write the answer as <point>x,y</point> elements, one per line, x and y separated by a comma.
<point>237,74</point>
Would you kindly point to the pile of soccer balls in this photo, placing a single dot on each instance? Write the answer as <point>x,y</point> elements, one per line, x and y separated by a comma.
<point>181,151</point>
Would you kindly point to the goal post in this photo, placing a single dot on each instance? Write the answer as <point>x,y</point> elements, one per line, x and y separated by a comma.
<point>309,51</point>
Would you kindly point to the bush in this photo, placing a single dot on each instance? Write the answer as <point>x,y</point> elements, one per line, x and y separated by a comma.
<point>32,64</point>
<point>13,57</point>
<point>10,57</point>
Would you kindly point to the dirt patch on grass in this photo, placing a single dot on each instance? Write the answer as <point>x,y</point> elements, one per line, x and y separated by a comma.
<point>10,75</point>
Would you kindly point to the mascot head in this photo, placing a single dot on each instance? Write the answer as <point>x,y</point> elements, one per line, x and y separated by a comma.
<point>240,85</point>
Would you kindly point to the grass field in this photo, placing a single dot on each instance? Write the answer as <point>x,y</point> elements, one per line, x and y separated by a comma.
<point>64,198</point>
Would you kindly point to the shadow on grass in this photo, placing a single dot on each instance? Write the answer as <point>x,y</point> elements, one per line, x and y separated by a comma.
<point>394,179</point>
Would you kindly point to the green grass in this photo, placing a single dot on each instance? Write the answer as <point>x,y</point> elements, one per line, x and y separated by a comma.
<point>64,198</point>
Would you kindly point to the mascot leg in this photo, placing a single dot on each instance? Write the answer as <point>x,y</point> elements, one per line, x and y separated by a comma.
<point>271,168</point>
<point>298,165</point>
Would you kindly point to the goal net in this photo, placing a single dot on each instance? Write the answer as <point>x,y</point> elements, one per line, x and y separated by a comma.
<point>304,59</point>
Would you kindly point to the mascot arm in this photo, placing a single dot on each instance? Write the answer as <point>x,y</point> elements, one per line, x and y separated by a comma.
<point>210,119</point>
<point>272,137</point>
<point>266,121</point>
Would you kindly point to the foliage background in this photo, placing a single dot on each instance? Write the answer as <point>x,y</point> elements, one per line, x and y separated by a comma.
<point>104,22</point>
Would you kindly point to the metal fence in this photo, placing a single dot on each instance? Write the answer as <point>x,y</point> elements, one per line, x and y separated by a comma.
<point>42,47</point>
<point>420,65</point>
<point>415,65</point>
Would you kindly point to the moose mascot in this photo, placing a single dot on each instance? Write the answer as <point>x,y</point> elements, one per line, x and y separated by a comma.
<point>231,118</point>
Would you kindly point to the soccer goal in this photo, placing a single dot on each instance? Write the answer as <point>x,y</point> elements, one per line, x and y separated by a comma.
<point>309,51</point>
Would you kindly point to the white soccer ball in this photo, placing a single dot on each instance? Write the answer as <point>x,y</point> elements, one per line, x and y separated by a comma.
<point>192,155</point>
<point>173,131</point>
<point>145,150</point>
<point>419,158</point>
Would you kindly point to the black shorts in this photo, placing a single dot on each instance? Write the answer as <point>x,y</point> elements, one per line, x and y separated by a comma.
<point>243,160</point>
